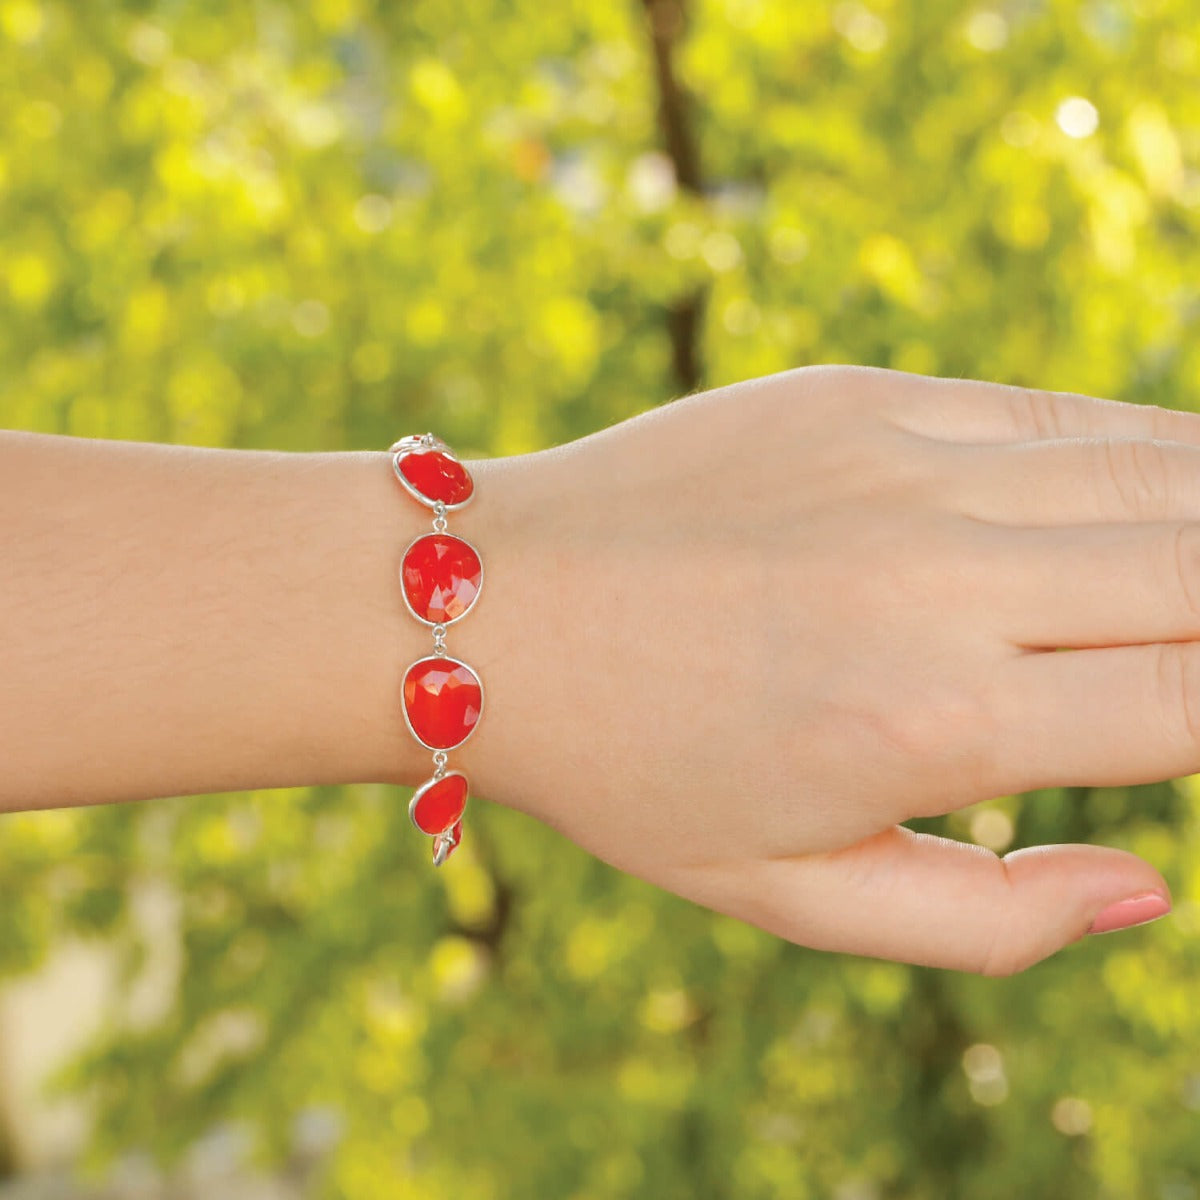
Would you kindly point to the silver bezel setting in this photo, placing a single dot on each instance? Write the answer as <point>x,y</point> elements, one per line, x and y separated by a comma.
<point>419,447</point>
<point>411,440</point>
<point>429,783</point>
<point>404,704</point>
<point>404,590</point>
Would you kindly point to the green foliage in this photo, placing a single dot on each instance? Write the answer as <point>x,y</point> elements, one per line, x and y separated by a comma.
<point>314,226</point>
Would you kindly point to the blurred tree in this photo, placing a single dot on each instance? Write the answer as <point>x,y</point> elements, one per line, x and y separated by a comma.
<point>310,226</point>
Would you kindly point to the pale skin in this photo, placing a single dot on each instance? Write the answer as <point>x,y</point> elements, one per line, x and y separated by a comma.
<point>728,645</point>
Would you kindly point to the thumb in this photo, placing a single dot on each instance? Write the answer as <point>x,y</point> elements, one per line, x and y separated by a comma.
<point>936,902</point>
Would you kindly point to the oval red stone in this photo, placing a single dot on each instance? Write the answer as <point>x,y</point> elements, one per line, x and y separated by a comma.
<point>441,575</point>
<point>435,475</point>
<point>443,700</point>
<point>438,804</point>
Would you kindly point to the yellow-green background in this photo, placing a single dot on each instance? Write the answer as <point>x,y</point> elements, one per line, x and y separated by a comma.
<point>317,226</point>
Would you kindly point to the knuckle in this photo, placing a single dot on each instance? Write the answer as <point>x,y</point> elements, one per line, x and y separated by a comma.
<point>1004,959</point>
<point>882,469</point>
<point>1163,422</point>
<point>996,960</point>
<point>833,389</point>
<point>1035,414</point>
<point>1004,952</point>
<point>1135,471</point>
<point>1177,677</point>
<point>1183,568</point>
<point>935,727</point>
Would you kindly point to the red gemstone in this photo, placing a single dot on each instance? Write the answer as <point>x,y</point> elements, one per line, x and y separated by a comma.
<point>436,474</point>
<point>438,804</point>
<point>441,575</point>
<point>443,699</point>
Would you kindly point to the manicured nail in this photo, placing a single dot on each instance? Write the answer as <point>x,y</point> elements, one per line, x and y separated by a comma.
<point>1137,910</point>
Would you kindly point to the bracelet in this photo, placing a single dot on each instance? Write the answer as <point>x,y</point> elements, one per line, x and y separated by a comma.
<point>440,576</point>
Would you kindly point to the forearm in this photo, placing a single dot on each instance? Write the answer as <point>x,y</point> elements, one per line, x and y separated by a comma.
<point>177,620</point>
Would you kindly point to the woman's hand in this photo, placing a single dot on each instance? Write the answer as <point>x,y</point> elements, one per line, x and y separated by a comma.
<point>731,643</point>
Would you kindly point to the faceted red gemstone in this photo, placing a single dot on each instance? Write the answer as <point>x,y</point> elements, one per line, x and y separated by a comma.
<point>437,805</point>
<point>443,699</point>
<point>436,475</point>
<point>441,575</point>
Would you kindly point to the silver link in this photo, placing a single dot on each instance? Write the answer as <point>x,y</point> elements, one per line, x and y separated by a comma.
<point>442,845</point>
<point>439,640</point>
<point>439,517</point>
<point>440,759</point>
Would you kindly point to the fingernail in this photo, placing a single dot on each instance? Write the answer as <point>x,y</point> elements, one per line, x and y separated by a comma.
<point>1136,910</point>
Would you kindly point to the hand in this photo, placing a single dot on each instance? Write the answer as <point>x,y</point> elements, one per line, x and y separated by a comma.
<point>735,640</point>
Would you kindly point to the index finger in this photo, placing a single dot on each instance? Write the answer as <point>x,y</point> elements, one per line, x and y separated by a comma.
<point>1106,717</point>
<point>971,410</point>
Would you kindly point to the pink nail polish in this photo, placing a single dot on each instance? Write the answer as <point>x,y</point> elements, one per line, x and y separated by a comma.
<point>1137,910</point>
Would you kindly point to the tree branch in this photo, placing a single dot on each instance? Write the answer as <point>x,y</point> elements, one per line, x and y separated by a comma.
<point>667,22</point>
